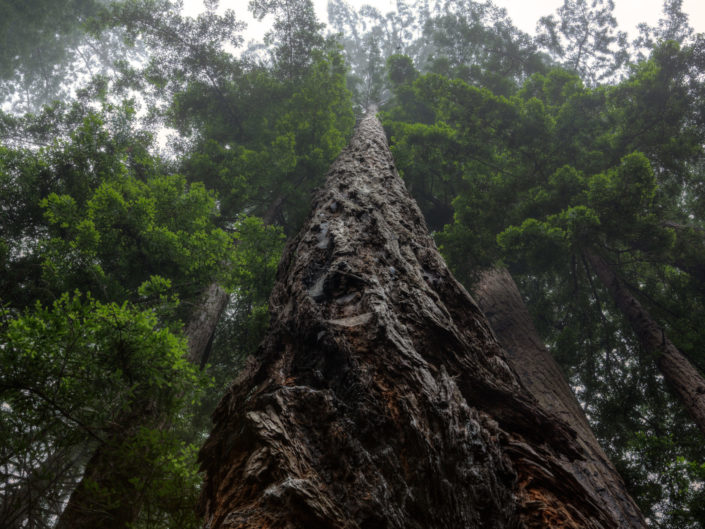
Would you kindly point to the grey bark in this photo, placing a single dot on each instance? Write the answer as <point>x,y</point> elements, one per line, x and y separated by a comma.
<point>500,300</point>
<point>28,501</point>
<point>200,328</point>
<point>379,398</point>
<point>118,506</point>
<point>684,378</point>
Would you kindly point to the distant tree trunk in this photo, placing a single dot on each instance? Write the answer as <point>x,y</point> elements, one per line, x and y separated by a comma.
<point>500,300</point>
<point>25,503</point>
<point>379,398</point>
<point>200,328</point>
<point>106,496</point>
<point>684,378</point>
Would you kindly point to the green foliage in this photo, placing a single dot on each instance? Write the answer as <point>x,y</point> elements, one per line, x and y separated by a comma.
<point>255,259</point>
<point>91,209</point>
<point>253,269</point>
<point>295,33</point>
<point>511,160</point>
<point>401,70</point>
<point>261,136</point>
<point>468,40</point>
<point>429,157</point>
<point>538,241</point>
<point>673,25</point>
<point>270,165</point>
<point>585,39</point>
<point>369,38</point>
<point>94,212</point>
<point>72,370</point>
<point>130,230</point>
<point>477,42</point>
<point>50,47</point>
<point>683,479</point>
<point>111,217</point>
<point>169,493</point>
<point>51,30</point>
<point>88,146</point>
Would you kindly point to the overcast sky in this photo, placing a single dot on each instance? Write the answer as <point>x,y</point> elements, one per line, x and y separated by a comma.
<point>524,13</point>
<point>629,13</point>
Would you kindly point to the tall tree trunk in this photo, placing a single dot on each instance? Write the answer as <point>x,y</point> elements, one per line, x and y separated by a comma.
<point>25,501</point>
<point>685,380</point>
<point>498,296</point>
<point>106,496</point>
<point>200,328</point>
<point>379,397</point>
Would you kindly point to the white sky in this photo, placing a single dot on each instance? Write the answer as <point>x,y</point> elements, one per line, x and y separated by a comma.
<point>629,13</point>
<point>524,13</point>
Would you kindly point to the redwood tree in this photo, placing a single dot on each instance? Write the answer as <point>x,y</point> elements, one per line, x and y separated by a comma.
<point>380,397</point>
<point>498,296</point>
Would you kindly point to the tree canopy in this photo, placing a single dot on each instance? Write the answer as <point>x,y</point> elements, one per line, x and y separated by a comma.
<point>573,157</point>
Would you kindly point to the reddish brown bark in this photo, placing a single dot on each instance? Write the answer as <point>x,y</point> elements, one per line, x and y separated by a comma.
<point>379,397</point>
<point>500,300</point>
<point>684,379</point>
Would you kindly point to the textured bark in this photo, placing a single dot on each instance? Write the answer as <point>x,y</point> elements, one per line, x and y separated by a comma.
<point>106,497</point>
<point>684,379</point>
<point>499,298</point>
<point>379,398</point>
<point>273,211</point>
<point>200,329</point>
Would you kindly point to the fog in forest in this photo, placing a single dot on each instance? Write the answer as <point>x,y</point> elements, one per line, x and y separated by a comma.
<point>199,206</point>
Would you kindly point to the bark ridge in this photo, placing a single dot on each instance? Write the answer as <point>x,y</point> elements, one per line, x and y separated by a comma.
<point>498,296</point>
<point>380,398</point>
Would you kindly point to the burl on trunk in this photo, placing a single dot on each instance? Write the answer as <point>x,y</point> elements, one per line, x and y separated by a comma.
<point>380,398</point>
